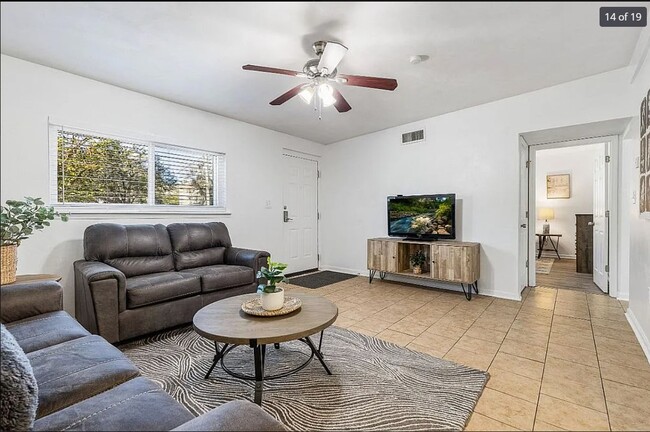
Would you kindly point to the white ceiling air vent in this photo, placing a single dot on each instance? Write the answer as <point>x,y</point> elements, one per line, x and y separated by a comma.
<point>413,137</point>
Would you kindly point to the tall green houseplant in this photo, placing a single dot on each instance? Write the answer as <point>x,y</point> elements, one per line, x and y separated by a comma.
<point>19,220</point>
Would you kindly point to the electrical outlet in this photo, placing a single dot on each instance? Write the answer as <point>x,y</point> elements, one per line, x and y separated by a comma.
<point>268,204</point>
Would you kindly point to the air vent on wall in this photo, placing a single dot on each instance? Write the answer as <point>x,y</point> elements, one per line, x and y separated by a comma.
<point>413,137</point>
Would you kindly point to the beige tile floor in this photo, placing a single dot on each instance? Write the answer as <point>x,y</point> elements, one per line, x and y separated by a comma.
<point>558,360</point>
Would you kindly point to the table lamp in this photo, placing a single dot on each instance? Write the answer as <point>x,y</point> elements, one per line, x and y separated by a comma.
<point>546,214</point>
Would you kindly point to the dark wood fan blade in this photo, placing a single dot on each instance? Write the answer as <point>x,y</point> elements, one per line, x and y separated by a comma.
<point>370,82</point>
<point>288,95</point>
<point>341,104</point>
<point>270,70</point>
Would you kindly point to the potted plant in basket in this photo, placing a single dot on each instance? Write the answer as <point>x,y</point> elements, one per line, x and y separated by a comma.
<point>19,220</point>
<point>417,261</point>
<point>272,296</point>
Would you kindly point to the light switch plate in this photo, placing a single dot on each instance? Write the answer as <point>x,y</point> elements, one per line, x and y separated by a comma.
<point>633,197</point>
<point>636,162</point>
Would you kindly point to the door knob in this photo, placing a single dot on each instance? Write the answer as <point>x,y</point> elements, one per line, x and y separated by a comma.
<point>523,225</point>
<point>590,223</point>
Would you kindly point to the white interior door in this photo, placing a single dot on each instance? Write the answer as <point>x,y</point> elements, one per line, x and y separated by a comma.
<point>601,236</point>
<point>300,214</point>
<point>523,215</point>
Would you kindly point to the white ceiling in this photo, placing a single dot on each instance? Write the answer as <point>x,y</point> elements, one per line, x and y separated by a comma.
<point>192,53</point>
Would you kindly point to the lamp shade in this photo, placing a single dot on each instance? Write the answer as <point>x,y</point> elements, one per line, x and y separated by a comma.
<point>545,213</point>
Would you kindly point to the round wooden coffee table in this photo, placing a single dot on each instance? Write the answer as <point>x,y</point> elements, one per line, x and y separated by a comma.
<point>224,322</point>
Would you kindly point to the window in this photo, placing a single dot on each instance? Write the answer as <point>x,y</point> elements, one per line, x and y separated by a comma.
<point>95,169</point>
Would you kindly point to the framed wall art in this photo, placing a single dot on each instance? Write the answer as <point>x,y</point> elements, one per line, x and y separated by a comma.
<point>644,158</point>
<point>558,186</point>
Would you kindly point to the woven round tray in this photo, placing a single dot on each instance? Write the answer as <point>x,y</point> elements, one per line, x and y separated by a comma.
<point>254,307</point>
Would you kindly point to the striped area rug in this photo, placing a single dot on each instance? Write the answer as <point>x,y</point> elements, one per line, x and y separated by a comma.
<point>375,385</point>
<point>544,265</point>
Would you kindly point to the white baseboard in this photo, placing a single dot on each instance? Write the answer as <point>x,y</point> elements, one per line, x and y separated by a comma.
<point>344,270</point>
<point>638,331</point>
<point>623,296</point>
<point>427,284</point>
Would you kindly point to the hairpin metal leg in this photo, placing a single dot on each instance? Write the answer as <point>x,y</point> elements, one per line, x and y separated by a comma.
<point>468,292</point>
<point>371,275</point>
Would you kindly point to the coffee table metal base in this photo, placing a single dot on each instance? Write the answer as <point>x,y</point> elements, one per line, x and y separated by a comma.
<point>259,357</point>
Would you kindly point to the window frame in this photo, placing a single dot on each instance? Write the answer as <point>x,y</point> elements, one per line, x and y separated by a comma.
<point>134,209</point>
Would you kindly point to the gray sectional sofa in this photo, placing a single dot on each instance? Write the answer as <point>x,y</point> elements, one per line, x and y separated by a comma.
<point>85,383</point>
<point>138,279</point>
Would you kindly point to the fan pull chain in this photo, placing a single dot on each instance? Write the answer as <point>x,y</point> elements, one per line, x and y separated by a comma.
<point>320,108</point>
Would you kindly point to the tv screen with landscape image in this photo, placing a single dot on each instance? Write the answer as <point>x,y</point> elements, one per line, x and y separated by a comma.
<point>422,216</point>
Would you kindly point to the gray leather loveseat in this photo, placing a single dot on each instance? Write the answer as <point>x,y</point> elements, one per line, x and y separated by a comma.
<point>85,383</point>
<point>137,279</point>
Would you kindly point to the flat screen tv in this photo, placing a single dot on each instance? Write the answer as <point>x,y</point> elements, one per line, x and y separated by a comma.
<point>422,216</point>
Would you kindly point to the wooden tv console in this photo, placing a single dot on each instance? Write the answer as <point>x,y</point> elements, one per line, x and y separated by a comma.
<point>448,261</point>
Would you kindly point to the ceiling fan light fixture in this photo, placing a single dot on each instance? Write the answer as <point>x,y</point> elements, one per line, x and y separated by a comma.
<point>326,95</point>
<point>307,94</point>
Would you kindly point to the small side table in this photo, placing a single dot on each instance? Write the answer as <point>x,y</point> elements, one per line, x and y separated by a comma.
<point>542,241</point>
<point>28,278</point>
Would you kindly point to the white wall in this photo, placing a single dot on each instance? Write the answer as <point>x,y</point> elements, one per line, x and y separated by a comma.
<point>578,162</point>
<point>639,229</point>
<point>31,93</point>
<point>472,152</point>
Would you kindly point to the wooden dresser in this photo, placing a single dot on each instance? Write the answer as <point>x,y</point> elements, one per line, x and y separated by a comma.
<point>584,243</point>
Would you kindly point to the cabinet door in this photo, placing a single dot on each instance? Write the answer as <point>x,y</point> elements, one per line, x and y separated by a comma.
<point>389,257</point>
<point>454,263</point>
<point>382,255</point>
<point>374,254</point>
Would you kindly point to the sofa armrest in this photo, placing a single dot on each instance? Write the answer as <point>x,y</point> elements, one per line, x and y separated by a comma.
<point>236,415</point>
<point>100,295</point>
<point>29,299</point>
<point>247,257</point>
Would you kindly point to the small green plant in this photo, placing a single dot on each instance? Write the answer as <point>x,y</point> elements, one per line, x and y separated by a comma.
<point>19,219</point>
<point>272,275</point>
<point>418,258</point>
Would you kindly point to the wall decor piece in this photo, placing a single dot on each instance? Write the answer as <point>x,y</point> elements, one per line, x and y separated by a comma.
<point>642,195</point>
<point>558,186</point>
<point>643,116</point>
<point>647,196</point>
<point>647,151</point>
<point>647,111</point>
<point>644,158</point>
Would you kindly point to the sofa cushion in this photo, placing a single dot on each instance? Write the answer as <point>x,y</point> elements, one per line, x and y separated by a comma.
<point>160,287</point>
<point>236,415</point>
<point>218,277</point>
<point>45,330</point>
<point>132,249</point>
<point>18,388</point>
<point>76,370</point>
<point>198,244</point>
<point>136,405</point>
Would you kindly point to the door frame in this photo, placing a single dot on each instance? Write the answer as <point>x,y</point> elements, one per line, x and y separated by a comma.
<point>313,158</point>
<point>612,151</point>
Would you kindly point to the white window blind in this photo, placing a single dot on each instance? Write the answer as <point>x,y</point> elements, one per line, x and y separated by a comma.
<point>100,169</point>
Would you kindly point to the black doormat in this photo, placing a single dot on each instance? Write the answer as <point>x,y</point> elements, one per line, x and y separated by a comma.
<point>320,279</point>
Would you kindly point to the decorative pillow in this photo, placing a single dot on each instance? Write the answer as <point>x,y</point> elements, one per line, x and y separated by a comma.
<point>18,388</point>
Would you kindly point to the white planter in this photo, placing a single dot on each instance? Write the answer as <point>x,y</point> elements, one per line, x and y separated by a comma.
<point>272,301</point>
